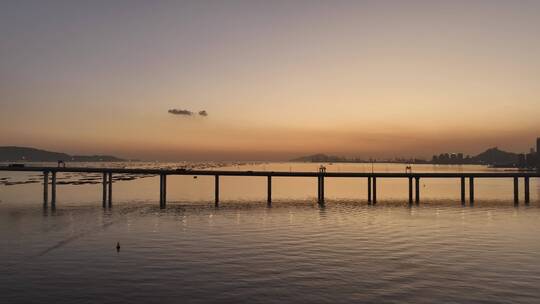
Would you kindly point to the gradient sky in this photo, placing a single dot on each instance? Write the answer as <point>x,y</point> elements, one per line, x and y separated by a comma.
<point>279,79</point>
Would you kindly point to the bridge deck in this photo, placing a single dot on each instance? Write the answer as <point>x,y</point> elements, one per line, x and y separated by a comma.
<point>272,173</point>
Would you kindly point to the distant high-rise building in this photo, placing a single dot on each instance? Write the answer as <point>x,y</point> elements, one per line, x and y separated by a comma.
<point>538,153</point>
<point>522,161</point>
<point>530,160</point>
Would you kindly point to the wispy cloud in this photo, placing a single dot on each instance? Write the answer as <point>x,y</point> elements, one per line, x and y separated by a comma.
<point>203,113</point>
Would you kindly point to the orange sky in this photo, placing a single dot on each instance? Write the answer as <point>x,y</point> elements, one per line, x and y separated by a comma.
<point>278,80</point>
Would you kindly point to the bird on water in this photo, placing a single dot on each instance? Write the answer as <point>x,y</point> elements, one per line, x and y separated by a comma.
<point>117,246</point>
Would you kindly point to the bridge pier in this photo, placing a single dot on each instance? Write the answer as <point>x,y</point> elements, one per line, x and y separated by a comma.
<point>462,190</point>
<point>369,190</point>
<point>269,190</point>
<point>53,190</point>
<point>471,190</point>
<point>216,191</point>
<point>45,189</point>
<point>516,191</point>
<point>104,188</point>
<point>110,182</point>
<point>162,191</point>
<point>527,191</point>
<point>410,190</point>
<point>374,193</point>
<point>321,189</point>
<point>417,186</point>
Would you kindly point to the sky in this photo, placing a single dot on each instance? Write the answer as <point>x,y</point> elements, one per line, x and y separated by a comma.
<point>276,79</point>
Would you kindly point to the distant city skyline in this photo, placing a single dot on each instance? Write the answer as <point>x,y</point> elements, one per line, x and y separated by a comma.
<point>269,80</point>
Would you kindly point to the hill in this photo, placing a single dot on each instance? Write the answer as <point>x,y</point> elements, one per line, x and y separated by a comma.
<point>494,156</point>
<point>12,153</point>
<point>319,158</point>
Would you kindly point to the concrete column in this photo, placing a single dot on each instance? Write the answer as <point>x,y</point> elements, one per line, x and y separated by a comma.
<point>110,182</point>
<point>471,190</point>
<point>269,190</point>
<point>104,186</point>
<point>374,193</point>
<point>318,189</point>
<point>527,191</point>
<point>53,190</point>
<point>417,184</point>
<point>516,191</point>
<point>45,188</point>
<point>216,193</point>
<point>410,191</point>
<point>463,190</point>
<point>369,190</point>
<point>162,191</point>
<point>321,190</point>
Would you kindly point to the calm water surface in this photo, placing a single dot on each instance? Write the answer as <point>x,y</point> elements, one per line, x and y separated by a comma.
<point>294,251</point>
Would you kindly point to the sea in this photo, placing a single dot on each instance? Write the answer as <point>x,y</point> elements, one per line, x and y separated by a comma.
<point>246,251</point>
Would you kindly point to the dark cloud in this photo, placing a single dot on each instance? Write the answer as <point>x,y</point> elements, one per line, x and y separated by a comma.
<point>187,112</point>
<point>180,112</point>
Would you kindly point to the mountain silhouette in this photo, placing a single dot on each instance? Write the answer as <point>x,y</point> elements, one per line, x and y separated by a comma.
<point>13,153</point>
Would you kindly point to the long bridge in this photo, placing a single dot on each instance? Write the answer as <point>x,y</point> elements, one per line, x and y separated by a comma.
<point>321,175</point>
